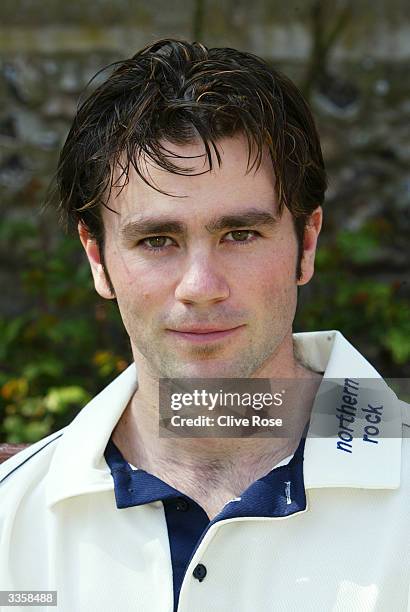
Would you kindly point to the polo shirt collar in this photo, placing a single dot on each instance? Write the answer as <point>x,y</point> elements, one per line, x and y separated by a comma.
<point>279,493</point>
<point>79,467</point>
<point>371,460</point>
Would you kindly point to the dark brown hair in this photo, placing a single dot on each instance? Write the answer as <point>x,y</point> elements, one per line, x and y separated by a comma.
<point>175,91</point>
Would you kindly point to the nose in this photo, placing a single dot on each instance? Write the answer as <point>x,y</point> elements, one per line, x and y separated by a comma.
<point>201,282</point>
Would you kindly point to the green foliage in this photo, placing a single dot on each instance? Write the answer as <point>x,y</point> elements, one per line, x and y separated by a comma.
<point>64,347</point>
<point>345,297</point>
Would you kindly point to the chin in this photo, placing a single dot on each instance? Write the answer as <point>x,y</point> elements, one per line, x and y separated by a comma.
<point>209,369</point>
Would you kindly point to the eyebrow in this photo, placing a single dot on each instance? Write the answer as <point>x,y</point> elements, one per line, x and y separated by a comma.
<point>151,225</point>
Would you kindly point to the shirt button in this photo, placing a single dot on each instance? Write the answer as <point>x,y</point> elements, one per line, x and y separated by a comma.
<point>182,504</point>
<point>199,572</point>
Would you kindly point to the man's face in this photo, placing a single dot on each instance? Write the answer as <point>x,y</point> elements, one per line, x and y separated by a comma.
<point>175,266</point>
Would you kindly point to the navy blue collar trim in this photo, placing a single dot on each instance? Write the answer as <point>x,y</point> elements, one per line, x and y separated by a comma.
<point>134,487</point>
<point>280,492</point>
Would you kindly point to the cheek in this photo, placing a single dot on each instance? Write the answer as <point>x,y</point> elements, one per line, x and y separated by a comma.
<point>141,295</point>
<point>273,273</point>
<point>133,280</point>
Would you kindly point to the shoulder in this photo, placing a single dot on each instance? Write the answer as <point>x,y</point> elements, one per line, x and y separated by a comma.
<point>23,480</point>
<point>34,458</point>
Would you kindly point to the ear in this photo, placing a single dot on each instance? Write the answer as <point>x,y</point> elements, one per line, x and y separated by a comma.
<point>93,255</point>
<point>310,237</point>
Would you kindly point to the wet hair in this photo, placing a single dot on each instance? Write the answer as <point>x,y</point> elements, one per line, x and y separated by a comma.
<point>173,91</point>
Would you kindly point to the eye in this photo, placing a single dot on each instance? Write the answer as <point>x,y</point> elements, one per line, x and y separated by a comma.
<point>154,243</point>
<point>157,244</point>
<point>239,236</point>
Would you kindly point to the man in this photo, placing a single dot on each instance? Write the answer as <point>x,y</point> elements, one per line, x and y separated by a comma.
<point>197,182</point>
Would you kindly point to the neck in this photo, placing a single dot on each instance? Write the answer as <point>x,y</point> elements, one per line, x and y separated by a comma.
<point>192,465</point>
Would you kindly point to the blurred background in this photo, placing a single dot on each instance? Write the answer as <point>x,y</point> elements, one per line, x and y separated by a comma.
<point>59,342</point>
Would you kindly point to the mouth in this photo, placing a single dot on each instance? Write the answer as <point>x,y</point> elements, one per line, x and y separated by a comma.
<point>200,336</point>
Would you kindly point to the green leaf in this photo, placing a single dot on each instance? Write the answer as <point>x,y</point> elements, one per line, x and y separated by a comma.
<point>58,399</point>
<point>359,247</point>
<point>398,342</point>
<point>48,367</point>
<point>35,430</point>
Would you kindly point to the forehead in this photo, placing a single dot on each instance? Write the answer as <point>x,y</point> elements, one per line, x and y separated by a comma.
<point>202,191</point>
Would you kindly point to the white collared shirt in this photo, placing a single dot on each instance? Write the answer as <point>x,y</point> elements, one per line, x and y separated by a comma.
<point>348,551</point>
